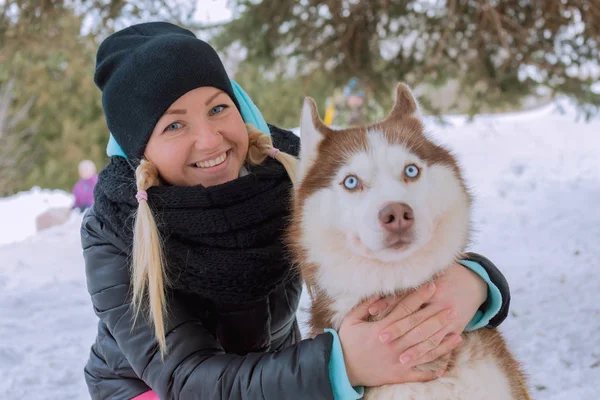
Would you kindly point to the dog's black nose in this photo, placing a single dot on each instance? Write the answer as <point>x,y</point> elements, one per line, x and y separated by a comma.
<point>396,217</point>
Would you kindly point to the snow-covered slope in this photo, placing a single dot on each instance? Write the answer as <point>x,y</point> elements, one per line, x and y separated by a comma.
<point>18,212</point>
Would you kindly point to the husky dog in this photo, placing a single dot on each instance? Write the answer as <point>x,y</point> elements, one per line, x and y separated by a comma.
<point>381,210</point>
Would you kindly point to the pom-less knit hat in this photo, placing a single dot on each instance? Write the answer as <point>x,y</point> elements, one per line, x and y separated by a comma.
<point>145,68</point>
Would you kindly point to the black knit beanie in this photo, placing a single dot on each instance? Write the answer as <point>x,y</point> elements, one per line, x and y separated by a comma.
<point>145,68</point>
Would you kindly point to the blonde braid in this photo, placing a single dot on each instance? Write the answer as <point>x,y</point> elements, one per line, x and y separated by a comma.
<point>148,258</point>
<point>259,147</point>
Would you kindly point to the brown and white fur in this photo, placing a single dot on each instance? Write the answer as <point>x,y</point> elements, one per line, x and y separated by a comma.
<point>388,236</point>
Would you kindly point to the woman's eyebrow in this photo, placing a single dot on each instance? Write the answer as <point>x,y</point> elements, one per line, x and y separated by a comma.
<point>211,98</point>
<point>184,111</point>
<point>176,111</point>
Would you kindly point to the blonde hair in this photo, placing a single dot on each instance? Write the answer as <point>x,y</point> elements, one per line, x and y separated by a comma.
<point>148,264</point>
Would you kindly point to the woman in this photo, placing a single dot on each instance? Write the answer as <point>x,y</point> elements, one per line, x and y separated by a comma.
<point>183,248</point>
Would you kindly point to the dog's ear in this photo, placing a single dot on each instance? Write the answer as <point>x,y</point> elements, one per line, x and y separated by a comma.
<point>312,131</point>
<point>405,104</point>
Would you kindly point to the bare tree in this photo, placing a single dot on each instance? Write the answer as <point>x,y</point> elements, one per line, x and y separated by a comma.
<point>17,154</point>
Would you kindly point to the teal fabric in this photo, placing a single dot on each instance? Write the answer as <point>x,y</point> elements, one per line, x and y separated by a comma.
<point>113,148</point>
<point>493,303</point>
<point>250,114</point>
<point>340,385</point>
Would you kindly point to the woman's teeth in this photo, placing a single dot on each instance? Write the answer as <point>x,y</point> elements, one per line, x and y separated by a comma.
<point>211,163</point>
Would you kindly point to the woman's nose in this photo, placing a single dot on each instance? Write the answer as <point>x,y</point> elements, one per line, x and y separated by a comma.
<point>207,137</point>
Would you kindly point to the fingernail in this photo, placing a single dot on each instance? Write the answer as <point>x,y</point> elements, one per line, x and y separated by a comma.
<point>457,339</point>
<point>451,314</point>
<point>384,337</point>
<point>405,359</point>
<point>440,373</point>
<point>373,310</point>
<point>431,287</point>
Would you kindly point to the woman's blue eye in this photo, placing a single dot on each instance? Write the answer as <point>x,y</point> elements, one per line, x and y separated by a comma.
<point>218,109</point>
<point>351,182</point>
<point>411,171</point>
<point>173,127</point>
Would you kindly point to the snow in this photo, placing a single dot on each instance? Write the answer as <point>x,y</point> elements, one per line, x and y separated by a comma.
<point>536,178</point>
<point>18,212</point>
<point>46,319</point>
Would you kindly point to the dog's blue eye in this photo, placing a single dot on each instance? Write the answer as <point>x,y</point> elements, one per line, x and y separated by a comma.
<point>411,171</point>
<point>351,182</point>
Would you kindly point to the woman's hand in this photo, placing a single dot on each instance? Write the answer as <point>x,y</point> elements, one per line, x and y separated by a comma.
<point>462,290</point>
<point>373,361</point>
<point>459,294</point>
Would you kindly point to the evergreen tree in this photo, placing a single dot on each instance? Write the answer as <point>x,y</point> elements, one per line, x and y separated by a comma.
<point>497,52</point>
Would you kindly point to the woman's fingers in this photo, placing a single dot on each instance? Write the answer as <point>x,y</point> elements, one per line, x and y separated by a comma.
<point>416,375</point>
<point>400,328</point>
<point>446,346</point>
<point>428,328</point>
<point>427,345</point>
<point>380,305</point>
<point>361,311</point>
<point>418,327</point>
<point>407,306</point>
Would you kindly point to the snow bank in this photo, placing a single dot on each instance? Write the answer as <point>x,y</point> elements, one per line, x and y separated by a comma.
<point>18,212</point>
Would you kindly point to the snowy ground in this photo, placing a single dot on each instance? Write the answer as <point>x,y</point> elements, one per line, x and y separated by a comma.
<point>536,177</point>
<point>18,212</point>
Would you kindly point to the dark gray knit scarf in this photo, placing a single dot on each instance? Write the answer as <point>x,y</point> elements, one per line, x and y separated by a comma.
<point>222,243</point>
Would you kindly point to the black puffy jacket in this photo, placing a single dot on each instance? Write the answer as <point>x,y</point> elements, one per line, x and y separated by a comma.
<point>125,363</point>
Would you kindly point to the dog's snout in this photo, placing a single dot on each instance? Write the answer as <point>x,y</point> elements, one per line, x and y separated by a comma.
<point>396,217</point>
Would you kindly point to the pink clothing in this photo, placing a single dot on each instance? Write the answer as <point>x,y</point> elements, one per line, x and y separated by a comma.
<point>84,192</point>
<point>149,395</point>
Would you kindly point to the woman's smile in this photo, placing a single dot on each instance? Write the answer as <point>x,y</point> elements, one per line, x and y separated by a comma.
<point>212,165</point>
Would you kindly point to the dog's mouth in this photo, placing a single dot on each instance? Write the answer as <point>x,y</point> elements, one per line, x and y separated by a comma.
<point>398,243</point>
<point>395,244</point>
